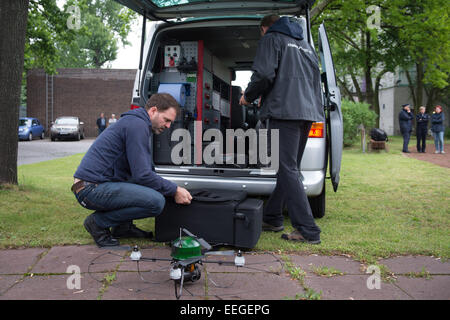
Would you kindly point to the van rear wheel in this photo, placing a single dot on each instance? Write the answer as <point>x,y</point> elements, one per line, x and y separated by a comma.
<point>317,204</point>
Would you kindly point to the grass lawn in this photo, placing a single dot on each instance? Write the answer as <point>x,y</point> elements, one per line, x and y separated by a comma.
<point>386,204</point>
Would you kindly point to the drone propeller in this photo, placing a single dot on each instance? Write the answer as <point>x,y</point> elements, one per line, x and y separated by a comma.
<point>202,242</point>
<point>220,253</point>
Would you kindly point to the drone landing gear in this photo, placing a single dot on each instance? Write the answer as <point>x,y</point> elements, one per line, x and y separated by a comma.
<point>179,274</point>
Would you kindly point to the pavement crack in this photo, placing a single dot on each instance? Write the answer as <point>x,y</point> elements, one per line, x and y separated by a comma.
<point>27,273</point>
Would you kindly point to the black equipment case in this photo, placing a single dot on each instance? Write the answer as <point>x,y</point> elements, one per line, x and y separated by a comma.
<point>218,216</point>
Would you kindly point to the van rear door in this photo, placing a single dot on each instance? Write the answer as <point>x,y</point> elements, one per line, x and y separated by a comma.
<point>174,9</point>
<point>332,97</point>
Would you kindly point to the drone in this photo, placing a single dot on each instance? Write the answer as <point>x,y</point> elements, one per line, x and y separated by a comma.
<point>187,253</point>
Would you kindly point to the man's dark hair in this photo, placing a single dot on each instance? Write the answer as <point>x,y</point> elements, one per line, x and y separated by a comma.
<point>163,102</point>
<point>269,20</point>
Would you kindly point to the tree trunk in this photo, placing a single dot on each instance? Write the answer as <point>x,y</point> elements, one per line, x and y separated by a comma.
<point>411,87</point>
<point>368,72</point>
<point>416,87</point>
<point>347,93</point>
<point>319,8</point>
<point>356,85</point>
<point>431,97</point>
<point>376,98</point>
<point>419,85</point>
<point>13,23</point>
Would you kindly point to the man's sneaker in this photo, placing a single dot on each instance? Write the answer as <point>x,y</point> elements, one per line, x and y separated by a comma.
<point>442,151</point>
<point>129,230</point>
<point>269,227</point>
<point>296,236</point>
<point>102,237</point>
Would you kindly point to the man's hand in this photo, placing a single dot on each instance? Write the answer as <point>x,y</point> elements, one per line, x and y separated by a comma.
<point>182,196</point>
<point>243,102</point>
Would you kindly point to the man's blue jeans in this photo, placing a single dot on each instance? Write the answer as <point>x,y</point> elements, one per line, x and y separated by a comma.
<point>116,203</point>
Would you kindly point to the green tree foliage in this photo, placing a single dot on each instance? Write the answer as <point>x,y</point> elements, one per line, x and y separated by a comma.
<point>370,38</point>
<point>423,30</point>
<point>51,43</point>
<point>104,25</point>
<point>46,27</point>
<point>355,114</point>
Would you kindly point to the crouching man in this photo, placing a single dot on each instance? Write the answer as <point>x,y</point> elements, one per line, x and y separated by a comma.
<point>116,177</point>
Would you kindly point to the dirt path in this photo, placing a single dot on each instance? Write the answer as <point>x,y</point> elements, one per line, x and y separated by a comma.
<point>440,159</point>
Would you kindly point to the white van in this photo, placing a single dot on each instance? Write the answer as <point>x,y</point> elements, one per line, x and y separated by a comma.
<point>194,53</point>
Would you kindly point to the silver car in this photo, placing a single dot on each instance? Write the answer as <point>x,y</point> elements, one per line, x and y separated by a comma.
<point>67,128</point>
<point>194,51</point>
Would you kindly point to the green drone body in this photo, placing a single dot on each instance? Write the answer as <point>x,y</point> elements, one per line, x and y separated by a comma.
<point>185,248</point>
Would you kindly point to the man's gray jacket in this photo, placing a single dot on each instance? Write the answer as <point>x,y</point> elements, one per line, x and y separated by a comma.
<point>286,75</point>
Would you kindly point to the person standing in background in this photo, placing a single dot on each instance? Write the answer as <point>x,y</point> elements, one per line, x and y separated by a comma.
<point>112,120</point>
<point>422,119</point>
<point>101,123</point>
<point>437,127</point>
<point>405,118</point>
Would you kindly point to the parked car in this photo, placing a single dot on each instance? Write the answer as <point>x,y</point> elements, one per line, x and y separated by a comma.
<point>30,128</point>
<point>67,128</point>
<point>194,50</point>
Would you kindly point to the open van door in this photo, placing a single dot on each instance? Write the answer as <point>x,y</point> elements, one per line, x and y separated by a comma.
<point>332,97</point>
<point>164,9</point>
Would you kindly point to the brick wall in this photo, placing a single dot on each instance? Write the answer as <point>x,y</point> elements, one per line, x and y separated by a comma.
<point>83,93</point>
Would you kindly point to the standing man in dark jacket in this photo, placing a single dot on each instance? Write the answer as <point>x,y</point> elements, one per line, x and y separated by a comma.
<point>116,177</point>
<point>405,118</point>
<point>101,123</point>
<point>287,78</point>
<point>422,119</point>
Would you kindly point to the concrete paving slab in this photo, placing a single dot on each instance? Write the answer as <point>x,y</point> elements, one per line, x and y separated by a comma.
<point>53,287</point>
<point>436,288</point>
<point>339,263</point>
<point>407,264</point>
<point>19,261</point>
<point>253,286</point>
<point>58,259</point>
<point>7,281</point>
<point>264,276</point>
<point>352,287</point>
<point>152,286</point>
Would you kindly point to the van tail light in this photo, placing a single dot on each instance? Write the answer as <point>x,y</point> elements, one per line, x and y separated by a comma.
<point>316,130</point>
<point>133,106</point>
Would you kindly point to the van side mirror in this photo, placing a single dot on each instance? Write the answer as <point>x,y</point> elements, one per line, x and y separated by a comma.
<point>81,123</point>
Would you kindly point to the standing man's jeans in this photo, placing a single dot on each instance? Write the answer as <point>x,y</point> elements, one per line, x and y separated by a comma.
<point>439,141</point>
<point>289,189</point>
<point>116,203</point>
<point>406,135</point>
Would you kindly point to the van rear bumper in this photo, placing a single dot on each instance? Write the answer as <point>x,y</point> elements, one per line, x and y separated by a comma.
<point>312,180</point>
